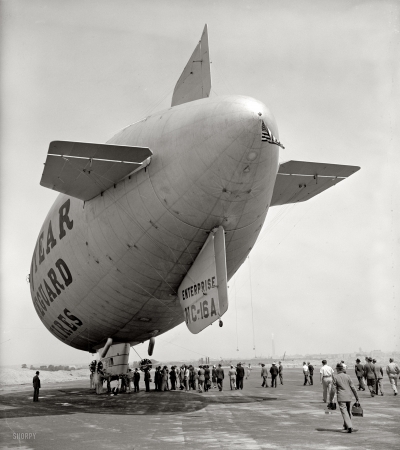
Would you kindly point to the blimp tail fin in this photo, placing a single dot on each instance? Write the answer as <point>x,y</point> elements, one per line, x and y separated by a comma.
<point>298,181</point>
<point>84,170</point>
<point>203,293</point>
<point>195,81</point>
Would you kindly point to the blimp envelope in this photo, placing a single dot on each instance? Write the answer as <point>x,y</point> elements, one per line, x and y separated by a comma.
<point>203,294</point>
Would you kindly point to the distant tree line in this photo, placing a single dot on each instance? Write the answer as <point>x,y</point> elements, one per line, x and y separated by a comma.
<point>50,368</point>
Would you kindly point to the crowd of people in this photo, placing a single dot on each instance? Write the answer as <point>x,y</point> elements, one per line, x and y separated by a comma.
<point>200,379</point>
<point>336,387</point>
<point>340,386</point>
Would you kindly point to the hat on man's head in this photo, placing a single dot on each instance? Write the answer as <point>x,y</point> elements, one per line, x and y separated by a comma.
<point>273,364</point>
<point>370,359</point>
<point>339,366</point>
<point>262,364</point>
<point>374,360</point>
<point>357,360</point>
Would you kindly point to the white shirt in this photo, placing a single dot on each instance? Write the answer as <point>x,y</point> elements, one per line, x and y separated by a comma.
<point>326,371</point>
<point>344,365</point>
<point>305,368</point>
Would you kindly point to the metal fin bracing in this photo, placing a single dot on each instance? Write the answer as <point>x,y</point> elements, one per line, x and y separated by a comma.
<point>298,181</point>
<point>83,170</point>
<point>195,81</point>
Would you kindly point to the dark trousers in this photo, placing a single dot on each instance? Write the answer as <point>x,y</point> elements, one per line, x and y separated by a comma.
<point>136,386</point>
<point>35,394</point>
<point>173,388</point>
<point>239,382</point>
<point>361,385</point>
<point>147,384</point>
<point>206,386</point>
<point>273,381</point>
<point>220,383</point>
<point>281,378</point>
<point>311,378</point>
<point>306,379</point>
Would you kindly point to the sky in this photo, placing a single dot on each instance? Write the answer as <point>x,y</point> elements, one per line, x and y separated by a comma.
<point>324,274</point>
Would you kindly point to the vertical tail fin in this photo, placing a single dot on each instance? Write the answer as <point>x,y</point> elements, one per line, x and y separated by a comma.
<point>195,81</point>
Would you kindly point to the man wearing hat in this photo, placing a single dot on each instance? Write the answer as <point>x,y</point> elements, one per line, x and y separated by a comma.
<point>36,387</point>
<point>379,376</point>
<point>220,374</point>
<point>359,369</point>
<point>344,387</point>
<point>274,374</point>
<point>264,374</point>
<point>392,370</point>
<point>239,376</point>
<point>325,376</point>
<point>370,376</point>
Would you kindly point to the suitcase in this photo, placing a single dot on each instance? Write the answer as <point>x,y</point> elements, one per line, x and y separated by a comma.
<point>356,410</point>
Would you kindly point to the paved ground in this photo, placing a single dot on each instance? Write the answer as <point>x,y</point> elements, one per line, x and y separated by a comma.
<point>69,415</point>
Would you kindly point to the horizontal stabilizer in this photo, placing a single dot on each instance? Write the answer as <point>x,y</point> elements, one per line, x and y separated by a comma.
<point>195,81</point>
<point>203,294</point>
<point>83,170</point>
<point>298,181</point>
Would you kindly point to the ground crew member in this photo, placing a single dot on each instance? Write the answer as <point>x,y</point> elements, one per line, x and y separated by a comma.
<point>36,387</point>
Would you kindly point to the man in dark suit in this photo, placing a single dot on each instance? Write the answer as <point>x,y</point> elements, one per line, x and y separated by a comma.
<point>370,376</point>
<point>359,368</point>
<point>239,376</point>
<point>36,387</point>
<point>136,379</point>
<point>274,374</point>
<point>311,373</point>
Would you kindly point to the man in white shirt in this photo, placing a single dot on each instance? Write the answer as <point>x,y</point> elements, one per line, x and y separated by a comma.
<point>392,370</point>
<point>325,376</point>
<point>187,374</point>
<point>306,373</point>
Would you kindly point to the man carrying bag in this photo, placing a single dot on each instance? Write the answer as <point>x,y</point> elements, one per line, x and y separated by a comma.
<point>344,387</point>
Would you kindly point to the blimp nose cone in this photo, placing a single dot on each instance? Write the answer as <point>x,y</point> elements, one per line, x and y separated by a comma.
<point>223,173</point>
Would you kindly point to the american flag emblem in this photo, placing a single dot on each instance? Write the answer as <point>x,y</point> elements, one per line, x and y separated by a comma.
<point>267,136</point>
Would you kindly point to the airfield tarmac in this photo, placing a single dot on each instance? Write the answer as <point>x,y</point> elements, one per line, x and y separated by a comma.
<point>292,416</point>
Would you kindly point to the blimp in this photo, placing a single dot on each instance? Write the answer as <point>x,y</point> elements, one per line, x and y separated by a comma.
<point>149,227</point>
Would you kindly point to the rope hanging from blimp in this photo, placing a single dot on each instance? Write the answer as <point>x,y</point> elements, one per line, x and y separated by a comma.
<point>251,302</point>
<point>237,334</point>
